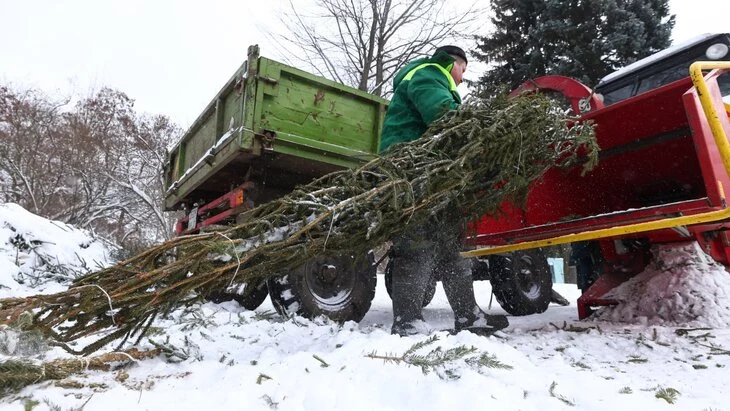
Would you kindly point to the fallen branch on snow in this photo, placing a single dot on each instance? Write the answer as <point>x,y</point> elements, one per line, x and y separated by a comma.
<point>16,374</point>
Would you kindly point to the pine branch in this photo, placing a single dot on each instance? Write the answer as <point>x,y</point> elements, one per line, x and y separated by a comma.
<point>270,402</point>
<point>669,395</point>
<point>417,346</point>
<point>437,358</point>
<point>16,374</point>
<point>261,378</point>
<point>562,398</point>
<point>576,329</point>
<point>174,354</point>
<point>488,360</point>
<point>715,350</point>
<point>429,362</point>
<point>686,331</point>
<point>465,166</point>
<point>323,363</point>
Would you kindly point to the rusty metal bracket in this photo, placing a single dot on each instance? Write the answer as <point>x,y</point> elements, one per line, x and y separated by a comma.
<point>240,87</point>
<point>266,139</point>
<point>268,80</point>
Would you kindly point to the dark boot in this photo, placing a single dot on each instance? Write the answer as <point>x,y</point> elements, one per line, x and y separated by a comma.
<point>459,289</point>
<point>411,275</point>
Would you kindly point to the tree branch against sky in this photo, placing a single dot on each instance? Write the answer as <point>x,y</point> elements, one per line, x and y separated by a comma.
<point>96,164</point>
<point>362,43</point>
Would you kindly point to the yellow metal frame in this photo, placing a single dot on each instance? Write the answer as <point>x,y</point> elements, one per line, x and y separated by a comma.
<point>723,146</point>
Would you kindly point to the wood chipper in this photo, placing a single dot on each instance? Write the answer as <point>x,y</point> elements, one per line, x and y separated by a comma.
<point>662,177</point>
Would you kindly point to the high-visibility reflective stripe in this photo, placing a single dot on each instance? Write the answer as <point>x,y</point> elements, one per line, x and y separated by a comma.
<point>452,83</point>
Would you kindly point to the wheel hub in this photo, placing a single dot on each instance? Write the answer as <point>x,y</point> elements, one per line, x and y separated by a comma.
<point>526,279</point>
<point>329,281</point>
<point>327,273</point>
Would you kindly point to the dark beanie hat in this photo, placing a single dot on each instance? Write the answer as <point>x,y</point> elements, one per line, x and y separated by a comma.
<point>453,50</point>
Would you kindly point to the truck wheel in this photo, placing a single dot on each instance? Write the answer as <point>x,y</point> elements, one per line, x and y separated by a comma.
<point>340,287</point>
<point>480,270</point>
<point>427,297</point>
<point>521,282</point>
<point>249,301</point>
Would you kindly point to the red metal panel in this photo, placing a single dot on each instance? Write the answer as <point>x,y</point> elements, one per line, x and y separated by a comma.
<point>713,169</point>
<point>488,233</point>
<point>575,91</point>
<point>652,166</point>
<point>216,211</point>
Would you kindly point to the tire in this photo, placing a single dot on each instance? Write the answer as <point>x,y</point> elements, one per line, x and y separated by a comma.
<point>480,270</point>
<point>388,274</point>
<point>249,301</point>
<point>586,256</point>
<point>340,287</point>
<point>521,282</point>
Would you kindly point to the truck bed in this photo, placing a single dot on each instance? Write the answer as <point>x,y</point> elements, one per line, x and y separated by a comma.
<point>276,125</point>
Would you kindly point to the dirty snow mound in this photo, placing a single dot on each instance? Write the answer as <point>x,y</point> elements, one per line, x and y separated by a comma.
<point>40,255</point>
<point>681,286</point>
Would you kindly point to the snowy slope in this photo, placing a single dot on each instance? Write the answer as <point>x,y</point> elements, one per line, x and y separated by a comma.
<point>37,254</point>
<point>228,358</point>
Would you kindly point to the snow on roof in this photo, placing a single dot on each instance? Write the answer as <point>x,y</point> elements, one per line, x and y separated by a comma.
<point>656,57</point>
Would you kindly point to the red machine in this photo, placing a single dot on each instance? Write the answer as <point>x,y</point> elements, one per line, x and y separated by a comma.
<point>663,171</point>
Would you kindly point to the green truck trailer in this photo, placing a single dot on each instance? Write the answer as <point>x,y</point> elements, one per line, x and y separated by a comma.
<point>270,128</point>
<point>276,126</point>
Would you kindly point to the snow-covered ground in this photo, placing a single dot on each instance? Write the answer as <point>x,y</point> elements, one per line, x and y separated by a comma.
<point>37,254</point>
<point>229,358</point>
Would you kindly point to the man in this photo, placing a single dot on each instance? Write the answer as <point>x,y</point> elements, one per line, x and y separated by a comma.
<point>424,90</point>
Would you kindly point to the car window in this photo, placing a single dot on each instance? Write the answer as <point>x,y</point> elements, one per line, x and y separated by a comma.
<point>617,95</point>
<point>724,82</point>
<point>664,77</point>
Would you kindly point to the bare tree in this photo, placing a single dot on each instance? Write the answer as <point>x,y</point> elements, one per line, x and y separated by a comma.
<point>142,179</point>
<point>30,130</point>
<point>96,164</point>
<point>362,43</point>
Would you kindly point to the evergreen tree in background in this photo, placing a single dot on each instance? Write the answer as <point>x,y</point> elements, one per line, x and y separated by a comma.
<point>583,39</point>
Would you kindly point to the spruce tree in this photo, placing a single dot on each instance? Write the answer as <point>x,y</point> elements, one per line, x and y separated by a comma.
<point>584,39</point>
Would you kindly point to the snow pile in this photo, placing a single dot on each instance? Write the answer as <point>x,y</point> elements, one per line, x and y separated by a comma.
<point>681,286</point>
<point>39,255</point>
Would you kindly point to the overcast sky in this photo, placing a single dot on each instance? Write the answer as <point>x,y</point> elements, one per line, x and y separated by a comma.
<point>172,56</point>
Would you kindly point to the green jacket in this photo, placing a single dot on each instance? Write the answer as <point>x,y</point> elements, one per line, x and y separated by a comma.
<point>423,93</point>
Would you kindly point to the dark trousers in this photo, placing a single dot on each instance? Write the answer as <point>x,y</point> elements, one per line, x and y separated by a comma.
<point>421,253</point>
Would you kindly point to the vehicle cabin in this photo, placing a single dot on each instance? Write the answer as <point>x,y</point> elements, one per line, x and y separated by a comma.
<point>665,67</point>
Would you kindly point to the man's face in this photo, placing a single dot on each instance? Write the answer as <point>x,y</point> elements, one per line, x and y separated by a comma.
<point>457,72</point>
